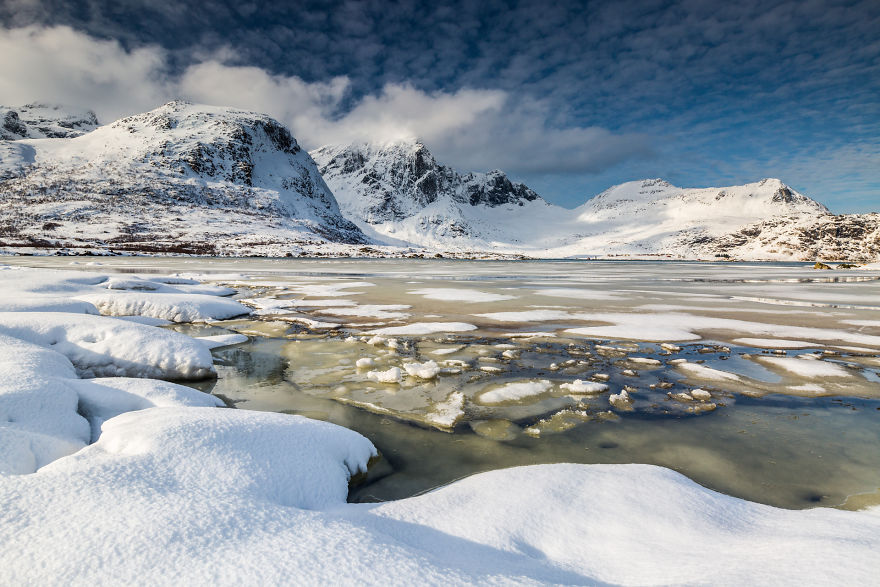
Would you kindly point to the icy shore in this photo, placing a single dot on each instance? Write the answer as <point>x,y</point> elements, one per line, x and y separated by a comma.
<point>110,474</point>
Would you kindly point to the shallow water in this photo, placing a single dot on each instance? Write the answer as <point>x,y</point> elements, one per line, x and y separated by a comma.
<point>795,426</point>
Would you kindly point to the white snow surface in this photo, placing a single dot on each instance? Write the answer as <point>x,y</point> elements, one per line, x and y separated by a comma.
<point>176,491</point>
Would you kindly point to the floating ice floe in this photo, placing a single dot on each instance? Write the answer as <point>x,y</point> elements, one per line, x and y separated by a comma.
<point>331,290</point>
<point>221,340</point>
<point>775,343</point>
<point>386,311</point>
<point>425,328</point>
<point>578,294</point>
<point>645,361</point>
<point>446,413</point>
<point>700,394</point>
<point>672,327</point>
<point>583,387</point>
<point>805,367</point>
<point>526,316</point>
<point>364,363</point>
<point>426,370</point>
<point>460,295</point>
<point>621,401</point>
<point>392,375</point>
<point>698,371</point>
<point>447,351</point>
<point>516,391</point>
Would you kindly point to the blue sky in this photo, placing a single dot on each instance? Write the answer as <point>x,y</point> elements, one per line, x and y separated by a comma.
<point>569,97</point>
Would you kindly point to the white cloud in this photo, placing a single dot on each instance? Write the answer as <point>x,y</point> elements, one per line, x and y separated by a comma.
<point>60,65</point>
<point>469,128</point>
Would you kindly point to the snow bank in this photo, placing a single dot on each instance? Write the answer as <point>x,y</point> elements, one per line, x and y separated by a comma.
<point>38,407</point>
<point>38,303</point>
<point>106,347</point>
<point>166,306</point>
<point>632,524</point>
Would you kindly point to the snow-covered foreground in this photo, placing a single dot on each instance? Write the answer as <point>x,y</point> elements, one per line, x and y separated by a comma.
<point>107,475</point>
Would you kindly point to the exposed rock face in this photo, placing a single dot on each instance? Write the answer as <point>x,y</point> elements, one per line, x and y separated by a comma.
<point>211,178</point>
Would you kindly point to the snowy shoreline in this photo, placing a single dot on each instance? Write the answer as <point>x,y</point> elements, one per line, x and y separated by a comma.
<point>106,469</point>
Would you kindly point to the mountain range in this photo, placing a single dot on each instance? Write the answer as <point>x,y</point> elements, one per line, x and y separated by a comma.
<point>213,180</point>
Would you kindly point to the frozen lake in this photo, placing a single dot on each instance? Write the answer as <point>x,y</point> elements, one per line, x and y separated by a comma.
<point>757,380</point>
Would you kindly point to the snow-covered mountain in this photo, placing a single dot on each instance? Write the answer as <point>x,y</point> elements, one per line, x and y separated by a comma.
<point>215,180</point>
<point>399,193</point>
<point>181,177</point>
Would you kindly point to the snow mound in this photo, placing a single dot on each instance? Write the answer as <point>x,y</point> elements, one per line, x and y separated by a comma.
<point>103,398</point>
<point>106,347</point>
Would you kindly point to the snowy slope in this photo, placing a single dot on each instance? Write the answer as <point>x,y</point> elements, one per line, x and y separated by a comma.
<point>184,176</point>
